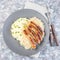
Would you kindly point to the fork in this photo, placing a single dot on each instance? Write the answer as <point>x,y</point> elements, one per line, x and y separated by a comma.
<point>52,35</point>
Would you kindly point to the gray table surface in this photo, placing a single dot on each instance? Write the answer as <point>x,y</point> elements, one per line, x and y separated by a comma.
<point>48,53</point>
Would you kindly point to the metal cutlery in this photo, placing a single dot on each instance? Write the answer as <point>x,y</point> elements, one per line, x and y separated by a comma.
<point>52,35</point>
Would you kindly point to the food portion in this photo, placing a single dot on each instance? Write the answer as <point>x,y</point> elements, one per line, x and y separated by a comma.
<point>29,32</point>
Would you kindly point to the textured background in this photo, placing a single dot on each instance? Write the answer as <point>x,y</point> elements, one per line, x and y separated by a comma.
<point>48,53</point>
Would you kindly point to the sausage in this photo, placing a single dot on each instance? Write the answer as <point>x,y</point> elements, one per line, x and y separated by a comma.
<point>33,35</point>
<point>32,43</point>
<point>25,32</point>
<point>33,25</point>
<point>36,36</point>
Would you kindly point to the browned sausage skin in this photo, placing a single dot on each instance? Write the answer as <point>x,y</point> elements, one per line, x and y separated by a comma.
<point>38,28</point>
<point>34,34</point>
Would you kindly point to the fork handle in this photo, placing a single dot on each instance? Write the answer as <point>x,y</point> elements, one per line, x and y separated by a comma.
<point>50,39</point>
<point>54,35</point>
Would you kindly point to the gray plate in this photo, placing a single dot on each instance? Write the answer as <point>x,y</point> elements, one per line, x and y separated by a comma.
<point>12,43</point>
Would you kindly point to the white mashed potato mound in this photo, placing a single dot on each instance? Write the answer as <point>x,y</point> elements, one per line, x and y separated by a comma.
<point>17,30</point>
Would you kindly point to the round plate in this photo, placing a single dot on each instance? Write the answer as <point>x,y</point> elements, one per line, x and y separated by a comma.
<point>12,43</point>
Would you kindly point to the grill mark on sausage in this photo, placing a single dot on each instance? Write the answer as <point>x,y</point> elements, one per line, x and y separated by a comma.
<point>40,30</point>
<point>25,32</point>
<point>29,34</point>
<point>33,45</point>
<point>39,36</point>
<point>36,36</point>
<point>30,38</point>
<point>33,38</point>
<point>36,27</point>
<point>33,35</point>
